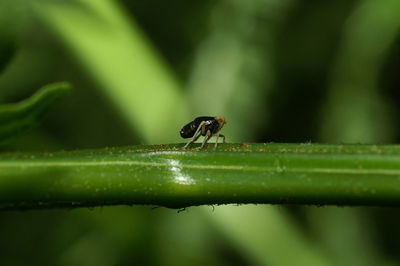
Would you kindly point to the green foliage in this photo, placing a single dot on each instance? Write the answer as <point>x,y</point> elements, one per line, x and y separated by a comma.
<point>20,117</point>
<point>286,71</point>
<point>7,50</point>
<point>140,72</point>
<point>356,76</point>
<point>7,40</point>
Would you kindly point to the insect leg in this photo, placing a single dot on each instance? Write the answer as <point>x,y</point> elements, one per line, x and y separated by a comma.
<point>216,141</point>
<point>206,138</point>
<point>194,138</point>
<point>223,137</point>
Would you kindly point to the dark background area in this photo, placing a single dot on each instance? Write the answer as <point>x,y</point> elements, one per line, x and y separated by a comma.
<point>281,71</point>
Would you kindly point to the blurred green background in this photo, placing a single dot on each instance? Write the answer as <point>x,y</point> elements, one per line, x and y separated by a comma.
<point>278,70</point>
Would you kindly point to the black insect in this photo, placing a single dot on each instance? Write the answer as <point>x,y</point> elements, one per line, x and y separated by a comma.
<point>207,126</point>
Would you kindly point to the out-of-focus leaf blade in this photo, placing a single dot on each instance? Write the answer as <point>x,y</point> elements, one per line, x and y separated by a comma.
<point>7,50</point>
<point>268,246</point>
<point>114,50</point>
<point>19,117</point>
<point>356,110</point>
<point>7,38</point>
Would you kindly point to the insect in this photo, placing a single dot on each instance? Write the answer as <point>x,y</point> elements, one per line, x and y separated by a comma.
<point>207,126</point>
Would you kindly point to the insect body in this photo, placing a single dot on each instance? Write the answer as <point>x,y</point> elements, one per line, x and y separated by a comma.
<point>207,126</point>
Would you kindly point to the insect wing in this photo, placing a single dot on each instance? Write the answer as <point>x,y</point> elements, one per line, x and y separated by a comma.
<point>188,130</point>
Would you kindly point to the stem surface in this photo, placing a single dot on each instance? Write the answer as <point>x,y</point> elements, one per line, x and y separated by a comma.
<point>166,175</point>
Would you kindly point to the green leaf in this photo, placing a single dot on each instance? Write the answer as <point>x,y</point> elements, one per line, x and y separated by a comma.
<point>7,51</point>
<point>356,75</point>
<point>126,67</point>
<point>19,117</point>
<point>8,44</point>
<point>168,176</point>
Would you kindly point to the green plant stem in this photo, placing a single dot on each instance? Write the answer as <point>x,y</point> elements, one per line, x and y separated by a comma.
<point>165,175</point>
